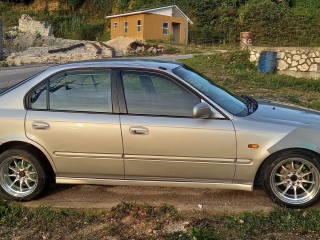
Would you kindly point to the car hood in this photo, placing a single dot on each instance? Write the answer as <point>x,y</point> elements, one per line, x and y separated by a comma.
<point>287,114</point>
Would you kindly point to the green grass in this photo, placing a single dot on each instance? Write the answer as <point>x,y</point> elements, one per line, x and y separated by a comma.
<point>233,71</point>
<point>144,221</point>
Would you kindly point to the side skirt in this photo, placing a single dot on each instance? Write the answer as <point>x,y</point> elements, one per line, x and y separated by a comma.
<point>227,186</point>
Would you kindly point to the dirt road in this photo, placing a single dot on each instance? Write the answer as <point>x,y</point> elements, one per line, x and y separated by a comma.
<point>105,197</point>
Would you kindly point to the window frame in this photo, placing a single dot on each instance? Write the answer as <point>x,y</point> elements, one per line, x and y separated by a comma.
<point>139,26</point>
<point>165,28</point>
<point>126,26</point>
<point>114,95</point>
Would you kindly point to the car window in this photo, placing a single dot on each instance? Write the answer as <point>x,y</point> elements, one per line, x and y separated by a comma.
<point>155,94</point>
<point>88,91</point>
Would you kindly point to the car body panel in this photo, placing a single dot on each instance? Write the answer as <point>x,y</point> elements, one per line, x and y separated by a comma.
<point>185,149</point>
<point>80,144</point>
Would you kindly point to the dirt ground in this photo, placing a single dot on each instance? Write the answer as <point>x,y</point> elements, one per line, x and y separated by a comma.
<point>184,199</point>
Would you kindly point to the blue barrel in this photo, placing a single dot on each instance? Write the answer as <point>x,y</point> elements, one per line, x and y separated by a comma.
<point>267,62</point>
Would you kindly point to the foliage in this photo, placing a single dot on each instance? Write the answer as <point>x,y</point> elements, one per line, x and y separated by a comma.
<point>273,22</point>
<point>235,72</point>
<point>144,221</point>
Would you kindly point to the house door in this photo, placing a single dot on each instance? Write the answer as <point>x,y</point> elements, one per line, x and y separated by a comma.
<point>176,32</point>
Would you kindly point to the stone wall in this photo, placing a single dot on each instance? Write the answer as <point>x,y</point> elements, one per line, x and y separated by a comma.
<point>292,59</point>
<point>28,25</point>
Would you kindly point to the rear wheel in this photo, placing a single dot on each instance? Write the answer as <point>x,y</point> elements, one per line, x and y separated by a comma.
<point>22,176</point>
<point>292,179</point>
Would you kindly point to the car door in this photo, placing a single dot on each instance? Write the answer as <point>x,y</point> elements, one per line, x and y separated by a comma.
<point>71,115</point>
<point>161,139</point>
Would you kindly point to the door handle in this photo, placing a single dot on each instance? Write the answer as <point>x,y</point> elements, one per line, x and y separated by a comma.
<point>139,130</point>
<point>40,125</point>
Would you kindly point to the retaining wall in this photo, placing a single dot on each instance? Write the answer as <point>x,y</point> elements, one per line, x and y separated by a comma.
<point>292,59</point>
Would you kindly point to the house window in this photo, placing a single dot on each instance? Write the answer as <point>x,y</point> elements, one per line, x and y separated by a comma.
<point>165,28</point>
<point>115,25</point>
<point>125,27</point>
<point>139,25</point>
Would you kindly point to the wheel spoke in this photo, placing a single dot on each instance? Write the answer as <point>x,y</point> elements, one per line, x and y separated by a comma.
<point>286,190</point>
<point>32,179</point>
<point>295,192</point>
<point>10,175</point>
<point>281,183</point>
<point>26,182</point>
<point>16,180</point>
<point>281,175</point>
<point>13,169</point>
<point>15,163</point>
<point>305,174</point>
<point>21,182</point>
<point>300,168</point>
<point>292,165</point>
<point>307,181</point>
<point>31,173</point>
<point>305,190</point>
<point>284,168</point>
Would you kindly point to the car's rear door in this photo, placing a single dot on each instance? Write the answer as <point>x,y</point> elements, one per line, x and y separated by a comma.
<point>71,115</point>
<point>161,139</point>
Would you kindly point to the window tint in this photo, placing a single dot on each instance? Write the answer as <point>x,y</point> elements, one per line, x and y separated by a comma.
<point>125,27</point>
<point>76,91</point>
<point>165,28</point>
<point>39,97</point>
<point>139,25</point>
<point>148,93</point>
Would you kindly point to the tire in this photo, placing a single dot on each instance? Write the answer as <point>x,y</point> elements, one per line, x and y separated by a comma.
<point>292,179</point>
<point>22,175</point>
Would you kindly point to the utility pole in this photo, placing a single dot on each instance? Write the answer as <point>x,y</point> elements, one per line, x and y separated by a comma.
<point>1,39</point>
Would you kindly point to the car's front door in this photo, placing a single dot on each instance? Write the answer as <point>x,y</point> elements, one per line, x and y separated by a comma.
<point>70,115</point>
<point>161,139</point>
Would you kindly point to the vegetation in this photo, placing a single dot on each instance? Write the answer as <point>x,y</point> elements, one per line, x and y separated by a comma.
<point>142,221</point>
<point>235,72</point>
<point>273,22</point>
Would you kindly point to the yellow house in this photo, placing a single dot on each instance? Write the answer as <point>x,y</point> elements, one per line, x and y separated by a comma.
<point>162,23</point>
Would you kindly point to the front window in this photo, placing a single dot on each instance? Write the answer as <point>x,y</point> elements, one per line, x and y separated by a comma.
<point>155,94</point>
<point>165,28</point>
<point>226,100</point>
<point>139,25</point>
<point>125,27</point>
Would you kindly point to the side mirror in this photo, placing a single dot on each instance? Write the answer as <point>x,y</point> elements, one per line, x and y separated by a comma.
<point>202,110</point>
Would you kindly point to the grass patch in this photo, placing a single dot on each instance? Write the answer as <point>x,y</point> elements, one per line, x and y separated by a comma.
<point>143,221</point>
<point>4,64</point>
<point>235,72</point>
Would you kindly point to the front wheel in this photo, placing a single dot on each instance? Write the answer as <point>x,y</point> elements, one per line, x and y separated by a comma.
<point>292,179</point>
<point>22,176</point>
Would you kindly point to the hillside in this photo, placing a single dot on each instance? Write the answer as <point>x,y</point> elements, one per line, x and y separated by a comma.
<point>273,22</point>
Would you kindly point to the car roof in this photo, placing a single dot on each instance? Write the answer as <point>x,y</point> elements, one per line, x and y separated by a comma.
<point>122,63</point>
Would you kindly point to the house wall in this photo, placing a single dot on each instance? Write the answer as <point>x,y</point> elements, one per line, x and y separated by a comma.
<point>154,27</point>
<point>132,26</point>
<point>151,27</point>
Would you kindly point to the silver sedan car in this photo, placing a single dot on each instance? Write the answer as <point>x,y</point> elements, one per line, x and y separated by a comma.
<point>152,123</point>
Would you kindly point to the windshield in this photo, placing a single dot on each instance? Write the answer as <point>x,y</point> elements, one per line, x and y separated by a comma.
<point>224,99</point>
